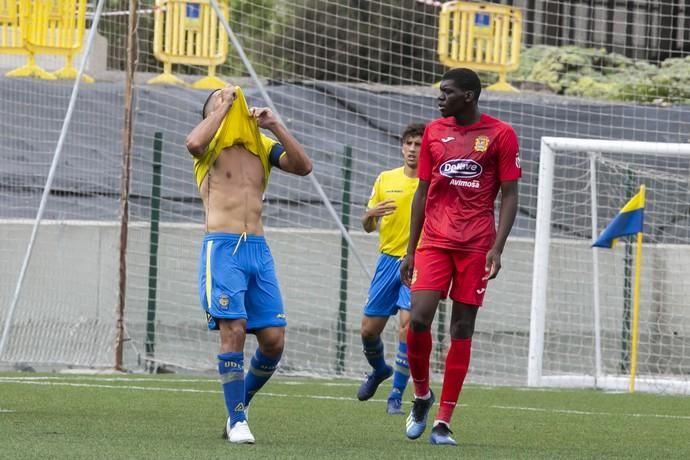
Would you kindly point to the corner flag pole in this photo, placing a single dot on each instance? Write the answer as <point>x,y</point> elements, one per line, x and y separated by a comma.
<point>636,307</point>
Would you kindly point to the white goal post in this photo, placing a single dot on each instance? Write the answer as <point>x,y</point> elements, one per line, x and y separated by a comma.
<point>576,303</point>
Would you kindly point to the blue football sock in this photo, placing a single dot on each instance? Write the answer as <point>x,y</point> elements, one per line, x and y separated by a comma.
<point>231,370</point>
<point>260,370</point>
<point>373,351</point>
<point>401,374</point>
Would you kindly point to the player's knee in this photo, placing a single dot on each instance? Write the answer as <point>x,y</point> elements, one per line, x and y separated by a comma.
<point>232,335</point>
<point>273,351</point>
<point>369,332</point>
<point>273,345</point>
<point>372,327</point>
<point>421,318</point>
<point>420,324</point>
<point>369,335</point>
<point>462,329</point>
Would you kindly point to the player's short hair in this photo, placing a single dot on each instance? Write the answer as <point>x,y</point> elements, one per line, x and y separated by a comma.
<point>208,99</point>
<point>413,129</point>
<point>466,79</point>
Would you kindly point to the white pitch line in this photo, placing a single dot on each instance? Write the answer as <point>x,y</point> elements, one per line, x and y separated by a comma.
<point>7,411</point>
<point>115,387</point>
<point>589,413</point>
<point>109,379</point>
<point>339,398</point>
<point>312,382</point>
<point>170,380</point>
<point>170,390</point>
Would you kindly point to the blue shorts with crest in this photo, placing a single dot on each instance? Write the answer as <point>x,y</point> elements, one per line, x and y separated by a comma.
<point>387,294</point>
<point>237,280</point>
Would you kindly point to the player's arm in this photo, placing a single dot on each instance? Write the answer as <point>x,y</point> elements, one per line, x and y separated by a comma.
<point>198,140</point>
<point>509,173</point>
<point>376,207</point>
<point>417,216</point>
<point>416,224</point>
<point>369,221</point>
<point>295,160</point>
<point>372,215</point>
<point>506,218</point>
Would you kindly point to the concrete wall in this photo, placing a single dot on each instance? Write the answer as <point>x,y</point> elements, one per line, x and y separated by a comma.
<point>66,314</point>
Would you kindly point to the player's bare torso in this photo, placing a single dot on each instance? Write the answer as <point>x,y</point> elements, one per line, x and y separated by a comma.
<point>232,193</point>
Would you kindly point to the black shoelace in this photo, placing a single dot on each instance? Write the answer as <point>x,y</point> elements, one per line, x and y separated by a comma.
<point>442,429</point>
<point>419,406</point>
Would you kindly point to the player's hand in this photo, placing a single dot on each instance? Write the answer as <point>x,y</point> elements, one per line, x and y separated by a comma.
<point>493,264</point>
<point>382,208</point>
<point>407,269</point>
<point>264,117</point>
<point>227,96</point>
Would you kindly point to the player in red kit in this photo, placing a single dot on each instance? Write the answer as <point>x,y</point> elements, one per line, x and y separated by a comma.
<point>466,157</point>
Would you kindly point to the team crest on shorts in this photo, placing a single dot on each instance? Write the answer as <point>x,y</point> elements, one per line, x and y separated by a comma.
<point>481,144</point>
<point>414,276</point>
<point>223,301</point>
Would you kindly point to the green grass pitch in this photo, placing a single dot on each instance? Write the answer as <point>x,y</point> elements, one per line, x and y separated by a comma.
<point>65,416</point>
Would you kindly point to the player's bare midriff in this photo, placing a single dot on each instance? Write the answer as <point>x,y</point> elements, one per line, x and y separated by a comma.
<point>232,193</point>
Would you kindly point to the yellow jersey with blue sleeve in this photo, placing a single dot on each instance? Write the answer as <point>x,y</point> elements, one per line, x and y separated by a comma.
<point>394,229</point>
<point>239,127</point>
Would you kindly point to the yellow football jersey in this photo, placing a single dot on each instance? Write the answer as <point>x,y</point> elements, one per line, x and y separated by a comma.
<point>238,127</point>
<point>394,229</point>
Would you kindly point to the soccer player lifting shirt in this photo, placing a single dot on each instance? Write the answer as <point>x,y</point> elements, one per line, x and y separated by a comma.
<point>238,286</point>
<point>465,159</point>
<point>389,206</point>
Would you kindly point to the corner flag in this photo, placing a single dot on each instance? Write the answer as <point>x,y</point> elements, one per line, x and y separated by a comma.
<point>629,221</point>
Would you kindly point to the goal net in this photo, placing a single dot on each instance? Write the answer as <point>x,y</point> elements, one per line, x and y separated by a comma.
<point>346,78</point>
<point>582,297</point>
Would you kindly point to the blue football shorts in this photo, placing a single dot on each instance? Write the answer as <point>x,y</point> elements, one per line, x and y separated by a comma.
<point>237,280</point>
<point>387,294</point>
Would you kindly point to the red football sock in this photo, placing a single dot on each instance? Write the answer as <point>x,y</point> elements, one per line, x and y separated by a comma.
<point>418,352</point>
<point>457,363</point>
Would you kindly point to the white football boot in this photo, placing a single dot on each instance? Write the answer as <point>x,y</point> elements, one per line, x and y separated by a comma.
<point>239,433</point>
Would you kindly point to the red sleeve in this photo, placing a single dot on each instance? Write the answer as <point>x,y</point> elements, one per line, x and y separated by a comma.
<point>509,157</point>
<point>424,162</point>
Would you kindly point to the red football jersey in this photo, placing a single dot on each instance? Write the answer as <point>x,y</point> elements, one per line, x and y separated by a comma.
<point>465,166</point>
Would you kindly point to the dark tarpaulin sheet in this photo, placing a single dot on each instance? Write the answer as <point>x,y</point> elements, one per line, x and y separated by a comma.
<point>325,117</point>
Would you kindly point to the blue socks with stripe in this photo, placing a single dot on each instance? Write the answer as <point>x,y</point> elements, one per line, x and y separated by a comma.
<point>231,370</point>
<point>373,351</point>
<point>261,369</point>
<point>402,372</point>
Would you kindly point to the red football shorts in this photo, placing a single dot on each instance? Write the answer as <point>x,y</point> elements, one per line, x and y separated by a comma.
<point>435,269</point>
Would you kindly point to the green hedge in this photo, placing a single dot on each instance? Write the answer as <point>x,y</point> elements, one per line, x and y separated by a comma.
<point>595,73</point>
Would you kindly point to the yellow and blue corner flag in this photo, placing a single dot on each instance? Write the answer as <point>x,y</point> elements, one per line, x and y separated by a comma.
<point>629,221</point>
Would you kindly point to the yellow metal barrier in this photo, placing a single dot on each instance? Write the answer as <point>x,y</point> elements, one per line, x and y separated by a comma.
<point>189,32</point>
<point>15,19</point>
<point>484,37</point>
<point>51,27</point>
<point>11,39</point>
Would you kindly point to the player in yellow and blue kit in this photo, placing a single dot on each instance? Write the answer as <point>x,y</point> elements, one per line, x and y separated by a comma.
<point>238,286</point>
<point>389,207</point>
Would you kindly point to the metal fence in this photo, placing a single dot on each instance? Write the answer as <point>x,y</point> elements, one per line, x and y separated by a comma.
<point>642,29</point>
